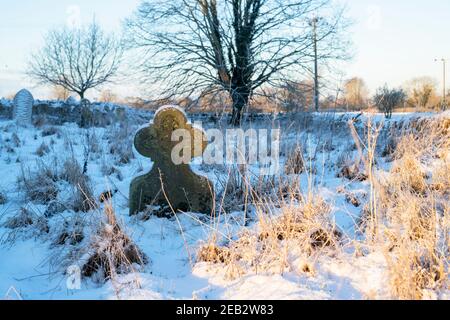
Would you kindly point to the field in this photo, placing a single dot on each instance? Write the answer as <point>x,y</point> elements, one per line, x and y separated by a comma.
<point>359,210</point>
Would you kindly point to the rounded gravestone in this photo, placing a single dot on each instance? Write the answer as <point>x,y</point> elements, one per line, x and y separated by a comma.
<point>23,107</point>
<point>71,101</point>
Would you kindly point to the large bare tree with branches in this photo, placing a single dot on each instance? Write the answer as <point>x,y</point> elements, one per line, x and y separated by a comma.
<point>196,47</point>
<point>77,59</point>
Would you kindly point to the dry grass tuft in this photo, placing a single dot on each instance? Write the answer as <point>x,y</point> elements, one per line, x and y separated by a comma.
<point>407,174</point>
<point>39,185</point>
<point>24,225</point>
<point>51,131</point>
<point>441,178</point>
<point>82,199</point>
<point>120,142</point>
<point>42,150</point>
<point>113,252</point>
<point>414,267</point>
<point>23,219</point>
<point>295,163</point>
<point>213,254</point>
<point>72,232</point>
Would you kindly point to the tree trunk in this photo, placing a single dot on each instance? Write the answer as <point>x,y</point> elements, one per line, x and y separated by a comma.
<point>240,100</point>
<point>86,116</point>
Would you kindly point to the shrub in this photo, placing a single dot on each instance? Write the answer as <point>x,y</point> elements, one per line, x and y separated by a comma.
<point>387,99</point>
<point>72,171</point>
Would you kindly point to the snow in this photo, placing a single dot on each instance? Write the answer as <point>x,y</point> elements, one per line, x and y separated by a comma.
<point>171,244</point>
<point>171,106</point>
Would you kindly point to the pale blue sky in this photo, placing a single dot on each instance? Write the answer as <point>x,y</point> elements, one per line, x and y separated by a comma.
<point>394,40</point>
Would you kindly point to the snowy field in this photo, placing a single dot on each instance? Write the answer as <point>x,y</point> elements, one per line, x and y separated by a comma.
<point>36,253</point>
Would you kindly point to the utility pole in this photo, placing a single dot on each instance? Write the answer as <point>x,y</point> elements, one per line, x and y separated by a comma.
<point>314,22</point>
<point>444,90</point>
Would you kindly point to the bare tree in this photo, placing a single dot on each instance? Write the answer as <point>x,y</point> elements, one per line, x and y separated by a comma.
<point>295,96</point>
<point>195,47</point>
<point>60,93</point>
<point>422,92</point>
<point>77,59</point>
<point>108,96</point>
<point>356,92</point>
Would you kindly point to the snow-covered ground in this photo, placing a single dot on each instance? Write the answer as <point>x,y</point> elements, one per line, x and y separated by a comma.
<point>29,263</point>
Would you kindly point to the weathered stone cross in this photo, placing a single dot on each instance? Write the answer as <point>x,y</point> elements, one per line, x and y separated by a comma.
<point>185,190</point>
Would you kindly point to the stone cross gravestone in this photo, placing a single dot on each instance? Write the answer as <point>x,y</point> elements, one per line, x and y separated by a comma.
<point>185,190</point>
<point>23,107</point>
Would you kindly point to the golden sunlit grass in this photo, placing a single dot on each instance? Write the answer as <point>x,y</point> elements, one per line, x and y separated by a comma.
<point>286,224</point>
<point>406,217</point>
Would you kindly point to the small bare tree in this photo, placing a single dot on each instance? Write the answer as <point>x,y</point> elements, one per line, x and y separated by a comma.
<point>356,93</point>
<point>77,59</point>
<point>195,47</point>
